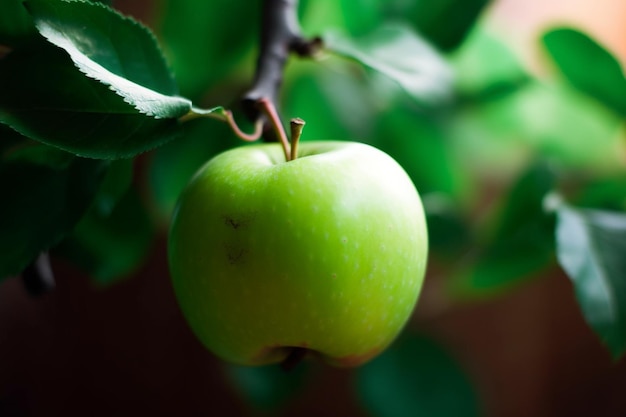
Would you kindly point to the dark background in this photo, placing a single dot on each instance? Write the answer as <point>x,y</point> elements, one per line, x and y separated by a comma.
<point>126,351</point>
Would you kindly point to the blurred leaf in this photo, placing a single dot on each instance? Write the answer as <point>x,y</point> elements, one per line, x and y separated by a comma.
<point>111,245</point>
<point>8,138</point>
<point>555,123</point>
<point>415,377</point>
<point>398,52</point>
<point>591,248</point>
<point>448,233</point>
<point>588,67</point>
<point>205,39</point>
<point>524,202</point>
<point>173,165</point>
<point>16,26</point>
<point>522,243</point>
<point>114,186</point>
<point>486,68</point>
<point>62,107</point>
<point>445,23</point>
<point>336,104</point>
<point>126,59</point>
<point>268,388</point>
<point>356,17</point>
<point>45,192</point>
<point>607,193</point>
<point>418,142</point>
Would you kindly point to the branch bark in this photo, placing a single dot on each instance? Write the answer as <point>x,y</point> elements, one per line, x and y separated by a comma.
<point>280,36</point>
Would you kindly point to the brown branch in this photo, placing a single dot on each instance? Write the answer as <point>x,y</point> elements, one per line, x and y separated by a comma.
<point>280,36</point>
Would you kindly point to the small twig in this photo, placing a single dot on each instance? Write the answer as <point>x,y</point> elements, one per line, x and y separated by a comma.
<point>280,35</point>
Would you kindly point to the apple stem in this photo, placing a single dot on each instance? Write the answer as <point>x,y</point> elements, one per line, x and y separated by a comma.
<point>270,112</point>
<point>295,356</point>
<point>297,125</point>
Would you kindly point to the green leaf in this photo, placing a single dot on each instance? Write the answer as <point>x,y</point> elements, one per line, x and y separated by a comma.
<point>16,26</point>
<point>524,202</point>
<point>114,186</point>
<point>486,67</point>
<point>522,243</point>
<point>204,40</point>
<point>416,377</point>
<point>506,133</point>
<point>398,52</point>
<point>603,192</point>
<point>8,139</point>
<point>591,248</point>
<point>449,236</point>
<point>588,66</point>
<point>356,17</point>
<point>63,108</point>
<point>45,192</point>
<point>443,22</point>
<point>268,388</point>
<point>110,246</point>
<point>334,103</point>
<point>113,49</point>
<point>173,165</point>
<point>419,143</point>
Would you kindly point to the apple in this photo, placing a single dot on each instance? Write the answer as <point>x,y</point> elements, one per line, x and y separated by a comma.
<point>326,252</point>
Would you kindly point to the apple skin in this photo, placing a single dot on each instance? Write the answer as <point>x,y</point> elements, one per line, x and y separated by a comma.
<point>326,252</point>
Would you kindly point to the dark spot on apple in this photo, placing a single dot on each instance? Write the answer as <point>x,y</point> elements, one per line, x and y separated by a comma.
<point>229,221</point>
<point>237,222</point>
<point>236,255</point>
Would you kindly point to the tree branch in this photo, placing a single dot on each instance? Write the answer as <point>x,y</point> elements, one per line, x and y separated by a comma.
<point>280,36</point>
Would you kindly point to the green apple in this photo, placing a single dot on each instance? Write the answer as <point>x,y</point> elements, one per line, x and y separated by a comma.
<point>325,252</point>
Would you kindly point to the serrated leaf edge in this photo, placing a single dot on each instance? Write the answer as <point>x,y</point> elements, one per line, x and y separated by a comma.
<point>90,69</point>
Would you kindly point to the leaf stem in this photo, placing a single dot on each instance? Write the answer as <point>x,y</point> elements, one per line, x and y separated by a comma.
<point>248,137</point>
<point>267,106</point>
<point>225,116</point>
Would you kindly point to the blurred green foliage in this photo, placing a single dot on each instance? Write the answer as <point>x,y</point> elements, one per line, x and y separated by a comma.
<point>488,160</point>
<point>416,377</point>
<point>269,388</point>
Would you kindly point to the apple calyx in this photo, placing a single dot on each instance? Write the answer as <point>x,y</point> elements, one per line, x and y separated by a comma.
<point>295,356</point>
